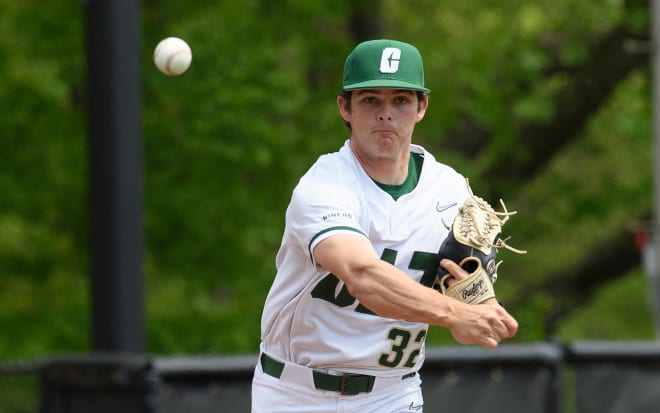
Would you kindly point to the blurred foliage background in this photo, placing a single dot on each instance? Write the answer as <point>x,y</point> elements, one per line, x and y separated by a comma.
<point>545,104</point>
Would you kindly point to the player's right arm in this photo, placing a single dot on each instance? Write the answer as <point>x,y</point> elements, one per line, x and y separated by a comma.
<point>389,292</point>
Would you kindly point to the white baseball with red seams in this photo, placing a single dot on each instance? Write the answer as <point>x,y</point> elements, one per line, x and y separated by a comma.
<point>172,56</point>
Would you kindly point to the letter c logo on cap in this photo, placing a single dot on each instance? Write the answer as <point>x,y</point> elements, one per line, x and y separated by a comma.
<point>389,60</point>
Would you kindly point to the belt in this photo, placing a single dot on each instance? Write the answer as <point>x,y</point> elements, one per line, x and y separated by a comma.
<point>346,384</point>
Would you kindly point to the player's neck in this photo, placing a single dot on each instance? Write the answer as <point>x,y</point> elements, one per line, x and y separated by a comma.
<point>388,171</point>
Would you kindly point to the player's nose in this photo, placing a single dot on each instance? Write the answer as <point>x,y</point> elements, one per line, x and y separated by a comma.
<point>385,113</point>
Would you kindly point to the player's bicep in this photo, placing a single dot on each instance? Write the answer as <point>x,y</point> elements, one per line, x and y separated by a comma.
<point>345,255</point>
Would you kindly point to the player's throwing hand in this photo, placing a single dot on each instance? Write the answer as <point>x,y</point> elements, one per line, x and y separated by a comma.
<point>486,324</point>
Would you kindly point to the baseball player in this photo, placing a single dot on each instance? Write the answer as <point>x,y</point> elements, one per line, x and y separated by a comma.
<point>345,321</point>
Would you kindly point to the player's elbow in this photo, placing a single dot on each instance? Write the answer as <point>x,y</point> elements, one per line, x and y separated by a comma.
<point>360,281</point>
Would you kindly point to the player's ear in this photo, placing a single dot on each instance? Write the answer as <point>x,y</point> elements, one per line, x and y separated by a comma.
<point>344,108</point>
<point>421,108</point>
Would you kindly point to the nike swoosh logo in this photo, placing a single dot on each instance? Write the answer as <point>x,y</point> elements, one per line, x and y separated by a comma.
<point>441,208</point>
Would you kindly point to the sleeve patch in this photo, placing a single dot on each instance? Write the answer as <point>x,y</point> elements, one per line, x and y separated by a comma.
<point>331,215</point>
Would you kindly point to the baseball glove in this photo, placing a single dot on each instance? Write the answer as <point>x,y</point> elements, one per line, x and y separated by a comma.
<point>473,241</point>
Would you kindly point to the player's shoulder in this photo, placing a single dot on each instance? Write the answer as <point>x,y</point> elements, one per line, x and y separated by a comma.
<point>331,175</point>
<point>334,169</point>
<point>434,166</point>
<point>441,179</point>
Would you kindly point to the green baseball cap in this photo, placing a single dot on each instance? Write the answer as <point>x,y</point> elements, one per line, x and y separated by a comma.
<point>384,64</point>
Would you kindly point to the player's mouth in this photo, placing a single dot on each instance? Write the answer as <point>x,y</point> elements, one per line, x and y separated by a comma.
<point>385,132</point>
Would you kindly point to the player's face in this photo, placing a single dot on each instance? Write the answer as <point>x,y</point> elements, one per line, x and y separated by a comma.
<point>382,120</point>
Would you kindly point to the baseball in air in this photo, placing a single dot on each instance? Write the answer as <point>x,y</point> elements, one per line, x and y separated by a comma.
<point>172,56</point>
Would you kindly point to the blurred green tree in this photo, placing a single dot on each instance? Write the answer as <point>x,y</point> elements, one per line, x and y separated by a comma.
<point>544,104</point>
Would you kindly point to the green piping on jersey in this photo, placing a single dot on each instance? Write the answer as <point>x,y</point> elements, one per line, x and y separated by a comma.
<point>309,247</point>
<point>414,168</point>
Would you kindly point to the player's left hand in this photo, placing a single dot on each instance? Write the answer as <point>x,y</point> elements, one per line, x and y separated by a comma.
<point>459,274</point>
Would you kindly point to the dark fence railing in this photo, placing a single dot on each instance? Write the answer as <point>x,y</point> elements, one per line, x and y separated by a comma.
<point>616,377</point>
<point>511,378</point>
<point>582,377</point>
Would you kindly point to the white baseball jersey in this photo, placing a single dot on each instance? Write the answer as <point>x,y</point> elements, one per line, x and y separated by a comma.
<point>309,317</point>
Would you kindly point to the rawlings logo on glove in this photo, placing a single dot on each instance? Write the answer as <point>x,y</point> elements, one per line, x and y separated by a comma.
<point>473,241</point>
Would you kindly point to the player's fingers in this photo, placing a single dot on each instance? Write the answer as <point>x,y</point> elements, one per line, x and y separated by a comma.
<point>506,327</point>
<point>489,342</point>
<point>511,326</point>
<point>454,269</point>
<point>449,265</point>
<point>504,330</point>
